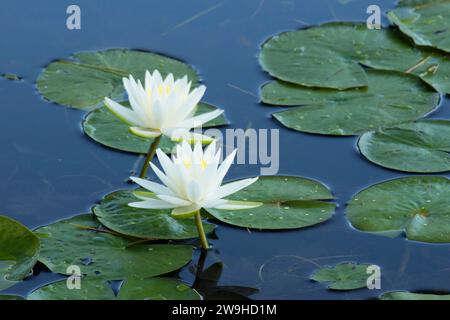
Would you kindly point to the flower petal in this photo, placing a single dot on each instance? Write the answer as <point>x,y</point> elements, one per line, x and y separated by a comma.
<point>190,105</point>
<point>152,186</point>
<point>134,97</point>
<point>152,204</point>
<point>238,205</point>
<point>165,162</point>
<point>233,187</point>
<point>185,212</point>
<point>164,178</point>
<point>194,191</point>
<point>125,114</point>
<point>156,78</point>
<point>174,200</point>
<point>210,151</point>
<point>144,195</point>
<point>224,167</point>
<point>144,132</point>
<point>201,119</point>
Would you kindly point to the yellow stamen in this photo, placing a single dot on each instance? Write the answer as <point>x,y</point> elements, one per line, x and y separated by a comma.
<point>203,163</point>
<point>187,163</point>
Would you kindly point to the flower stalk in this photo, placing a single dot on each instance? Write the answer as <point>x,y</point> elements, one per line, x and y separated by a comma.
<point>201,231</point>
<point>150,154</point>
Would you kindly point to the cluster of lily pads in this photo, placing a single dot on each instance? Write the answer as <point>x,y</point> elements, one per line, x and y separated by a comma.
<point>344,79</point>
<point>117,241</point>
<point>341,78</point>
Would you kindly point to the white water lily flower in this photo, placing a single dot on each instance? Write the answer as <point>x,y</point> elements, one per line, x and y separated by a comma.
<point>163,107</point>
<point>192,180</point>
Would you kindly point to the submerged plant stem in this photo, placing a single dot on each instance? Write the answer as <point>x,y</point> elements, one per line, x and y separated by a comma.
<point>201,231</point>
<point>150,154</point>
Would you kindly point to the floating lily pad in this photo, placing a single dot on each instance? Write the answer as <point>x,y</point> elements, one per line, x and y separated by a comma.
<point>115,213</point>
<point>427,22</point>
<point>86,78</point>
<point>90,289</point>
<point>421,146</point>
<point>134,289</point>
<point>105,255</point>
<point>331,56</point>
<point>344,276</point>
<point>19,250</point>
<point>391,98</point>
<point>105,128</point>
<point>288,203</point>
<point>405,295</point>
<point>157,289</point>
<point>418,206</point>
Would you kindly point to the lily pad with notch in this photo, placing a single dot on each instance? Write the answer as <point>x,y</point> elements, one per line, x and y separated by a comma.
<point>421,146</point>
<point>105,128</point>
<point>288,203</point>
<point>391,98</point>
<point>343,276</point>
<point>417,206</point>
<point>426,22</point>
<point>101,253</point>
<point>334,55</point>
<point>115,213</point>
<point>86,78</point>
<point>132,289</point>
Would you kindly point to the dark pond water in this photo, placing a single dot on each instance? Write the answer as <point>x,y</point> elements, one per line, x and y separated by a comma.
<point>49,170</point>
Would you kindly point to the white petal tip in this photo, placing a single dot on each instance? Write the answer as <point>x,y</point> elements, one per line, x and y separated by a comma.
<point>239,205</point>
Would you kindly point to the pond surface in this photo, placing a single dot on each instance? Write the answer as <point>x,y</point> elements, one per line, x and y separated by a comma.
<point>49,170</point>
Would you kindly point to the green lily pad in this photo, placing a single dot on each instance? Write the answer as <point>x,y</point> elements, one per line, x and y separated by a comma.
<point>427,22</point>
<point>418,206</point>
<point>405,295</point>
<point>133,289</point>
<point>102,254</point>
<point>391,98</point>
<point>157,289</point>
<point>288,203</point>
<point>115,213</point>
<point>19,250</point>
<point>331,55</point>
<point>344,276</point>
<point>86,78</point>
<point>105,128</point>
<point>421,146</point>
<point>90,289</point>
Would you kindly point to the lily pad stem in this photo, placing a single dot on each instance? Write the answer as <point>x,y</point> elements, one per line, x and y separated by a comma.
<point>201,231</point>
<point>150,154</point>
